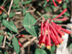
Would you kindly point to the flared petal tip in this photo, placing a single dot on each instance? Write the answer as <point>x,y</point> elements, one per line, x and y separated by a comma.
<point>0,12</point>
<point>57,45</point>
<point>49,47</point>
<point>60,2</point>
<point>42,44</point>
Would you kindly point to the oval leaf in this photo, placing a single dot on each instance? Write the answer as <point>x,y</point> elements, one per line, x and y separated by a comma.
<point>16,45</point>
<point>10,26</point>
<point>11,15</point>
<point>40,51</point>
<point>64,6</point>
<point>16,1</point>
<point>28,21</point>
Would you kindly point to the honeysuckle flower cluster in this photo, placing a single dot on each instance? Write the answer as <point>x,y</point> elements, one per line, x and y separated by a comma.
<point>51,33</point>
<point>59,1</point>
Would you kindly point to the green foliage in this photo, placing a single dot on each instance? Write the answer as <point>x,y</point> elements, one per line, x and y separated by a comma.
<point>11,15</point>
<point>67,1</point>
<point>10,26</point>
<point>4,16</point>
<point>53,48</point>
<point>46,17</point>
<point>58,21</point>
<point>64,6</point>
<point>24,11</point>
<point>40,51</point>
<point>45,3</point>
<point>28,21</point>
<point>9,34</point>
<point>16,45</point>
<point>1,38</point>
<point>53,6</point>
<point>5,52</point>
<point>16,2</point>
<point>27,2</point>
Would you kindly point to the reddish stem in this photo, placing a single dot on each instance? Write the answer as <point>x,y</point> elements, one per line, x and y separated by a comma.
<point>56,34</point>
<point>64,19</point>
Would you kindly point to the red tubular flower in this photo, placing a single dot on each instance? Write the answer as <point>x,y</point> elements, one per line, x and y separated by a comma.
<point>67,31</point>
<point>48,44</point>
<point>54,38</point>
<point>1,9</point>
<point>20,44</point>
<point>57,26</point>
<point>56,34</point>
<point>42,29</point>
<point>54,3</point>
<point>47,0</point>
<point>59,1</point>
<point>40,39</point>
<point>61,33</point>
<point>64,19</point>
<point>44,36</point>
<point>41,33</point>
<point>61,13</point>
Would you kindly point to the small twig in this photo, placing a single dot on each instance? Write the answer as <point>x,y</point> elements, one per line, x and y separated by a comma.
<point>29,49</point>
<point>28,10</point>
<point>10,8</point>
<point>4,41</point>
<point>27,43</point>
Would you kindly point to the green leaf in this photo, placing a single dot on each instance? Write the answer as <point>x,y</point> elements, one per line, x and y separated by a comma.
<point>46,16</point>
<point>47,9</point>
<point>0,51</point>
<point>53,17</point>
<point>52,49</point>
<point>27,2</point>
<point>1,38</point>
<point>9,34</point>
<point>10,26</point>
<point>1,31</point>
<point>70,45</point>
<point>67,14</point>
<point>16,45</point>
<point>4,16</point>
<point>28,21</point>
<point>16,6</point>
<point>58,21</point>
<point>9,44</point>
<point>5,52</point>
<point>53,6</point>
<point>64,6</point>
<point>45,3</point>
<point>16,2</point>
<point>67,1</point>
<point>24,11</point>
<point>40,51</point>
<point>11,15</point>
